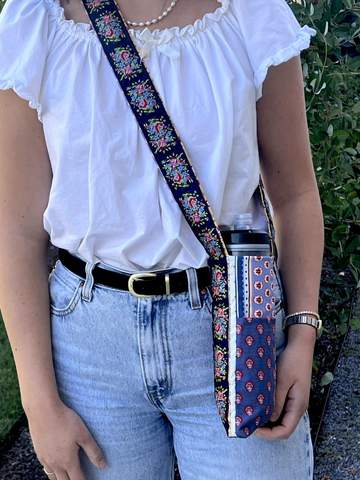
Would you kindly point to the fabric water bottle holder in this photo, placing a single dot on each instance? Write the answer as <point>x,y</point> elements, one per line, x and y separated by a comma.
<point>242,287</point>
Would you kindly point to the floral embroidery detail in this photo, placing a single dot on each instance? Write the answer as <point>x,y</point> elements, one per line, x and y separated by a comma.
<point>221,401</point>
<point>177,171</point>
<point>195,209</point>
<point>127,64</point>
<point>220,363</point>
<point>96,4</point>
<point>220,321</point>
<point>161,135</point>
<point>142,97</point>
<point>109,28</point>
<point>211,243</point>
<point>219,283</point>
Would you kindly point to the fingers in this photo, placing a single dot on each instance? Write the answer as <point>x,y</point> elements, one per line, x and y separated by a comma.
<point>281,391</point>
<point>49,472</point>
<point>55,474</point>
<point>74,473</point>
<point>294,410</point>
<point>60,475</point>
<point>93,451</point>
<point>57,440</point>
<point>67,469</point>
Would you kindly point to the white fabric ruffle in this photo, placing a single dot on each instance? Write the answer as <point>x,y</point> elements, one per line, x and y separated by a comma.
<point>292,50</point>
<point>24,36</point>
<point>85,32</point>
<point>199,25</point>
<point>23,92</point>
<point>79,30</point>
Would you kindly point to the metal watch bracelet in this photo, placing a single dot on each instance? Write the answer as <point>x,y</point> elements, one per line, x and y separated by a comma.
<point>304,320</point>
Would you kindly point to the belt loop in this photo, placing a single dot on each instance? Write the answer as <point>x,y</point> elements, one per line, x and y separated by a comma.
<point>52,270</point>
<point>89,282</point>
<point>193,287</point>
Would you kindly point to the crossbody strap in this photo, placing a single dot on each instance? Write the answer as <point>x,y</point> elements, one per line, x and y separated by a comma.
<point>158,129</point>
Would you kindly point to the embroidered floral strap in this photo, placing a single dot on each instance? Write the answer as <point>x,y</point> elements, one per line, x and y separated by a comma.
<point>159,131</point>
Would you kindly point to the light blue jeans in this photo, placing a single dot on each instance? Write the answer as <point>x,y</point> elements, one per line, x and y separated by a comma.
<point>139,372</point>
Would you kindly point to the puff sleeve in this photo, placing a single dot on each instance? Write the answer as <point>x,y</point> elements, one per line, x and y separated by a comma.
<point>271,33</point>
<point>23,48</point>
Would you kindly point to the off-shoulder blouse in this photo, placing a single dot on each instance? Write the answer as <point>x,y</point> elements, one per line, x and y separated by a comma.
<point>108,201</point>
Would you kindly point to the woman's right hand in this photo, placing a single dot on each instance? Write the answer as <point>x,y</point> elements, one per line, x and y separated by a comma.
<point>57,433</point>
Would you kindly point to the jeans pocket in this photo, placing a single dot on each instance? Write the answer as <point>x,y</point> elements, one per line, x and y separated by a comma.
<point>280,337</point>
<point>278,289</point>
<point>64,296</point>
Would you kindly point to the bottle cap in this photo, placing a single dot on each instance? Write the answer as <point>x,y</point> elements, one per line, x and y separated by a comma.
<point>249,237</point>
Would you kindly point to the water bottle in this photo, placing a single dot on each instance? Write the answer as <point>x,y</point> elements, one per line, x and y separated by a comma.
<point>243,240</point>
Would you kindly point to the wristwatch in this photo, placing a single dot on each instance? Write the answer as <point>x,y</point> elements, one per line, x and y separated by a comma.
<point>305,320</point>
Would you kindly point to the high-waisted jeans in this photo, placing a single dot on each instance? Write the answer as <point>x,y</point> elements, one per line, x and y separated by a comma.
<point>139,372</point>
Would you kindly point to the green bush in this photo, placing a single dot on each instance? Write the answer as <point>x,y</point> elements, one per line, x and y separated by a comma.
<point>331,71</point>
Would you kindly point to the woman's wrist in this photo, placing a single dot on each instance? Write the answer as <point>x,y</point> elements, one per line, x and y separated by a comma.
<point>34,405</point>
<point>301,334</point>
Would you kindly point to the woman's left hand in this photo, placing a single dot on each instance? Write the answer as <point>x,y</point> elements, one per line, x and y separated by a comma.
<point>293,381</point>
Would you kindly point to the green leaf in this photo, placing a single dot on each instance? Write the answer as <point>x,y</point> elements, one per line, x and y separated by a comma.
<point>305,70</point>
<point>353,245</point>
<point>355,260</point>
<point>343,328</point>
<point>341,135</point>
<point>326,29</point>
<point>354,63</point>
<point>355,323</point>
<point>352,195</point>
<point>326,379</point>
<point>356,108</point>
<point>338,232</point>
<point>351,151</point>
<point>349,4</point>
<point>336,6</point>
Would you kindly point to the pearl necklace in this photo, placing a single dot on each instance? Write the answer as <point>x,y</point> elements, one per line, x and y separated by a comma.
<point>155,20</point>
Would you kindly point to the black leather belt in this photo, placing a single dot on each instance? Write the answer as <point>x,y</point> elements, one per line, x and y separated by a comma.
<point>139,284</point>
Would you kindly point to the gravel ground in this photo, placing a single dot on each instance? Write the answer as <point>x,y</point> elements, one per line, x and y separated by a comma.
<point>338,449</point>
<point>20,461</point>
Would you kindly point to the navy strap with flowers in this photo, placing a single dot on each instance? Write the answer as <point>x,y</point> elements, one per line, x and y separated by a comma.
<point>162,137</point>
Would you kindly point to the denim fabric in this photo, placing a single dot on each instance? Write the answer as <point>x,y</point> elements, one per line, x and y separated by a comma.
<point>139,372</point>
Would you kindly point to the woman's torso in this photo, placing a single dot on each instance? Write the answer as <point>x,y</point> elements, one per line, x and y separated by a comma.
<point>108,200</point>
<point>119,209</point>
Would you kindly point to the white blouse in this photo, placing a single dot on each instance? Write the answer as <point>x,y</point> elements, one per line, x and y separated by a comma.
<point>108,200</point>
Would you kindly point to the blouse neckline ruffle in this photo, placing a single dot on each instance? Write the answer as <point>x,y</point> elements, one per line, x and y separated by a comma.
<point>84,31</point>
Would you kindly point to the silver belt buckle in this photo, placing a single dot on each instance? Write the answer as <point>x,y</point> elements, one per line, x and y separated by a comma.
<point>139,277</point>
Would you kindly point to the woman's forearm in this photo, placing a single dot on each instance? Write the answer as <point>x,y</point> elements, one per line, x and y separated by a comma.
<point>300,240</point>
<point>24,303</point>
